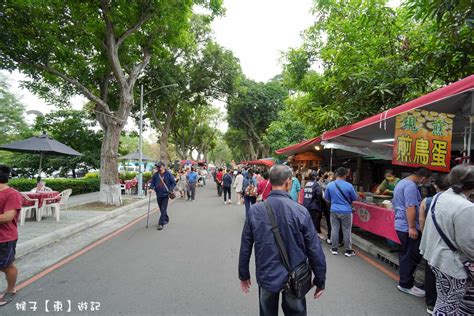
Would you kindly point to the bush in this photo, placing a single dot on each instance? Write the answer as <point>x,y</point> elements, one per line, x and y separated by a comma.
<point>91,175</point>
<point>130,175</point>
<point>78,186</point>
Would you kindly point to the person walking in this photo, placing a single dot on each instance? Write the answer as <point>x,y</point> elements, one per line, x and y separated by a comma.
<point>300,240</point>
<point>341,194</point>
<point>325,205</point>
<point>406,203</point>
<point>182,184</point>
<point>313,196</point>
<point>227,186</point>
<point>192,179</point>
<point>447,244</point>
<point>264,187</point>
<point>10,207</point>
<point>204,175</point>
<point>219,177</point>
<point>249,188</point>
<point>295,189</point>
<point>162,182</point>
<point>441,185</point>
<point>238,183</point>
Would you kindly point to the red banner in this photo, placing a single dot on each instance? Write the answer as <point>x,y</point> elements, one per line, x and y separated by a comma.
<point>423,139</point>
<point>377,220</point>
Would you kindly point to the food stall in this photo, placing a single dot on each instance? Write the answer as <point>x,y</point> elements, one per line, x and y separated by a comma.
<point>432,131</point>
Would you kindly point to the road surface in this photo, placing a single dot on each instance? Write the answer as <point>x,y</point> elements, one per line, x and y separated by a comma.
<point>190,268</point>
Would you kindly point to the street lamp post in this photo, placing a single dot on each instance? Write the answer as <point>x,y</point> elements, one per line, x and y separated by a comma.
<point>140,139</point>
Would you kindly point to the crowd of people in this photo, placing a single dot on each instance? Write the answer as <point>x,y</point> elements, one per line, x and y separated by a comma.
<point>438,228</point>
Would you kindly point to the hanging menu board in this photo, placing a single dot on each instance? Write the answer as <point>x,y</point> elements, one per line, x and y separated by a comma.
<point>423,139</point>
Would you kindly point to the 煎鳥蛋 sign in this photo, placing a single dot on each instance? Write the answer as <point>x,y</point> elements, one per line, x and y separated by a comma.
<point>423,139</point>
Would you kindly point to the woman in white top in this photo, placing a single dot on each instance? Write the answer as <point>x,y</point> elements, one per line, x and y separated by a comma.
<point>454,216</point>
<point>239,181</point>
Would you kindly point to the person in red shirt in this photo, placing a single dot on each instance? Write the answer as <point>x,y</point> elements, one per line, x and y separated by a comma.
<point>264,187</point>
<point>219,178</point>
<point>10,207</point>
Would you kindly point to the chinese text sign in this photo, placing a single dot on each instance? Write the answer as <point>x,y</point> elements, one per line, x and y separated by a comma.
<point>423,139</point>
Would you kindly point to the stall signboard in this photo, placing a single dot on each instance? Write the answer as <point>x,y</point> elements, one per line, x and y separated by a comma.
<point>423,139</point>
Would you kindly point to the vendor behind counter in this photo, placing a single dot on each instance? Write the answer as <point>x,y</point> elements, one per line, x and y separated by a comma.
<point>388,184</point>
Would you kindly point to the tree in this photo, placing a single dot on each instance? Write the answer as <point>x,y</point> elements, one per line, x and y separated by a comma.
<point>203,72</point>
<point>94,48</point>
<point>221,153</point>
<point>12,121</point>
<point>285,131</point>
<point>363,57</point>
<point>75,129</point>
<point>250,111</point>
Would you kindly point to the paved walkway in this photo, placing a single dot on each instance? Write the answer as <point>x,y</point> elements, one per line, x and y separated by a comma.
<point>190,268</point>
<point>33,229</point>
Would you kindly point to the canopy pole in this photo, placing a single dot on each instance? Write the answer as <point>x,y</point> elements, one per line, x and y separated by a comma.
<point>40,167</point>
<point>330,161</point>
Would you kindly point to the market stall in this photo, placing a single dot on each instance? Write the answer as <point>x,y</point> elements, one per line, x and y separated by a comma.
<point>433,131</point>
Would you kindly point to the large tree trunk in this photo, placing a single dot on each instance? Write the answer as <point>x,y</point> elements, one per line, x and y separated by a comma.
<point>110,192</point>
<point>164,156</point>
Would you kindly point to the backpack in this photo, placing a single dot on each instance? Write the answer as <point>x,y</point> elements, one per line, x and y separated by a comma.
<point>251,189</point>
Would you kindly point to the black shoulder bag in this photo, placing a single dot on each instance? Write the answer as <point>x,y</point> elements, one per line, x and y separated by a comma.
<point>468,265</point>
<point>299,280</point>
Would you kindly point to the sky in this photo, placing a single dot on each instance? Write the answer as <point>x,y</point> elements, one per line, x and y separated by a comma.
<point>257,31</point>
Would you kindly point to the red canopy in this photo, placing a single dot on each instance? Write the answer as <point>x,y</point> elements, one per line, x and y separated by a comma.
<point>306,145</point>
<point>260,162</point>
<point>453,92</point>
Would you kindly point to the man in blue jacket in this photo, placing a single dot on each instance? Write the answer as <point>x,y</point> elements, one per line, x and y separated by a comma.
<point>341,194</point>
<point>301,241</point>
<point>162,182</point>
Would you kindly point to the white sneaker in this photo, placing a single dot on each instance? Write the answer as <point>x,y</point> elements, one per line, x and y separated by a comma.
<point>328,241</point>
<point>230,202</point>
<point>225,203</point>
<point>413,291</point>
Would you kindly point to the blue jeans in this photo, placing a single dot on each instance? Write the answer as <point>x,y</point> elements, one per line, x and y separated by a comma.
<point>163,205</point>
<point>291,305</point>
<point>249,200</point>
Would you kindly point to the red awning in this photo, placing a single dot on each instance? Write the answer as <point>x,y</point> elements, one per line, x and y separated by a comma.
<point>453,95</point>
<point>260,162</point>
<point>306,145</point>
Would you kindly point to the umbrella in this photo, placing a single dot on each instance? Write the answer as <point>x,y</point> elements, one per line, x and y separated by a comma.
<point>135,156</point>
<point>188,162</point>
<point>43,145</point>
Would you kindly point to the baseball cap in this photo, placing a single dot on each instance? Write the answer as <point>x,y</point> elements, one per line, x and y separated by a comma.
<point>159,164</point>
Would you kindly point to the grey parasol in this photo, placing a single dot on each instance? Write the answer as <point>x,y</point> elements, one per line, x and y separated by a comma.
<point>135,156</point>
<point>42,145</point>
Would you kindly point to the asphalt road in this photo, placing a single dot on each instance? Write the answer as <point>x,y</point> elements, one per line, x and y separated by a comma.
<point>190,268</point>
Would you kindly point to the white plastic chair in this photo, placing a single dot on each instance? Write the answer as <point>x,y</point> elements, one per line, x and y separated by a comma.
<point>55,207</point>
<point>28,209</point>
<point>65,198</point>
<point>47,189</point>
